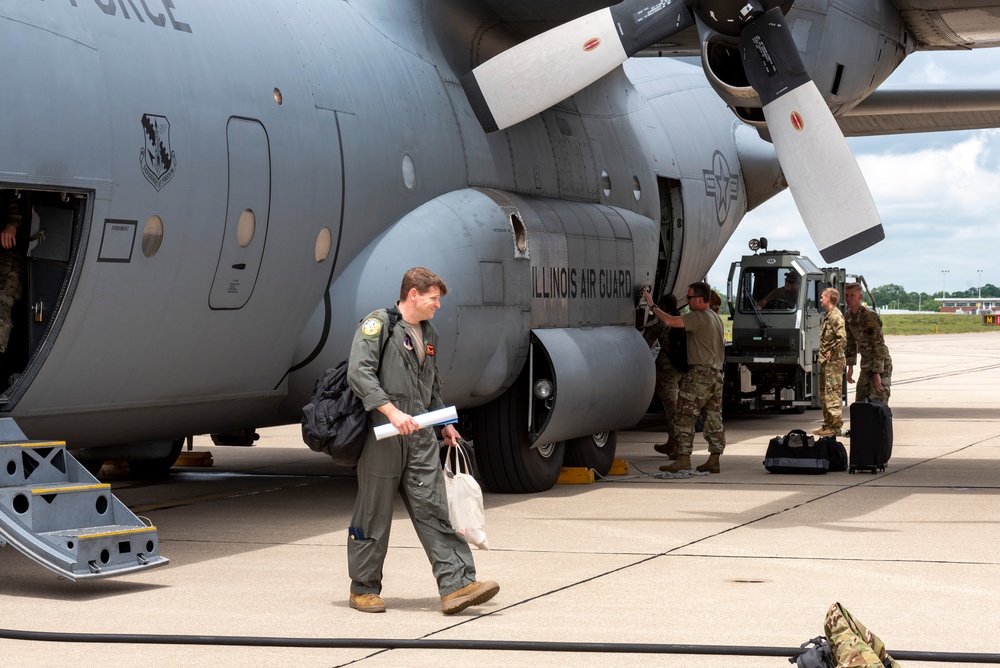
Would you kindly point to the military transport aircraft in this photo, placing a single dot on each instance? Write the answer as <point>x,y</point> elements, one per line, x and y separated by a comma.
<point>219,191</point>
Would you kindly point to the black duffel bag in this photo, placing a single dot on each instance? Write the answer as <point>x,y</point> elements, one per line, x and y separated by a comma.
<point>798,452</point>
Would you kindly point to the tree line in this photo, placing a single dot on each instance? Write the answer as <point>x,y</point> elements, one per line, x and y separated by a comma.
<point>896,297</point>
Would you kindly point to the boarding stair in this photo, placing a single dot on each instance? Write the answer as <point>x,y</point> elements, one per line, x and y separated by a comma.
<point>58,514</point>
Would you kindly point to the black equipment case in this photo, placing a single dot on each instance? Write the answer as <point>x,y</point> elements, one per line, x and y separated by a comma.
<point>871,436</point>
<point>797,452</point>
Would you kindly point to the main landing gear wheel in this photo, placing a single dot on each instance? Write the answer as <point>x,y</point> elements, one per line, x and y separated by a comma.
<point>507,462</point>
<point>158,467</point>
<point>596,451</point>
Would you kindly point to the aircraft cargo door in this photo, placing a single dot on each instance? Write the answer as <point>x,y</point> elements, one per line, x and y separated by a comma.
<point>246,214</point>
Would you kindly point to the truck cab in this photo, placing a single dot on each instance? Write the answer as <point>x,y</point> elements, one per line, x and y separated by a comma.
<point>774,307</point>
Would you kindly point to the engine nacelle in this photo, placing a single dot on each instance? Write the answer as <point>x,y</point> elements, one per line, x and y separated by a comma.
<point>512,264</point>
<point>848,49</point>
<point>720,58</point>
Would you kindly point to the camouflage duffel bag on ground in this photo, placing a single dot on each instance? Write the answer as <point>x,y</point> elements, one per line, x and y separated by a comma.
<point>851,644</point>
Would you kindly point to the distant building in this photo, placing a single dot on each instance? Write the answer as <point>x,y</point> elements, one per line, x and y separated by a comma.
<point>969,304</point>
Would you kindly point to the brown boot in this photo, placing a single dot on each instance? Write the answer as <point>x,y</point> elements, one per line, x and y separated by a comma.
<point>683,463</point>
<point>471,594</point>
<point>366,602</point>
<point>662,448</point>
<point>712,465</point>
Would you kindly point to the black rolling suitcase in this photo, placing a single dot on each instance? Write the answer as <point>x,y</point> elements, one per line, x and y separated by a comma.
<point>871,436</point>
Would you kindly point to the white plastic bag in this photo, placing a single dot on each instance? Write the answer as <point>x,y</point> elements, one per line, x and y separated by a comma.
<point>465,499</point>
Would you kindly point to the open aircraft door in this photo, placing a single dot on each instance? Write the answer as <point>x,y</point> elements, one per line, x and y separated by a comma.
<point>247,214</point>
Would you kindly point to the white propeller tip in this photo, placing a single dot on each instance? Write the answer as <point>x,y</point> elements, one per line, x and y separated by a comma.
<point>853,244</point>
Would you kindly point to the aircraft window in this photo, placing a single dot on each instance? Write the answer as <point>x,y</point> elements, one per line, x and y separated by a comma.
<point>324,242</point>
<point>409,173</point>
<point>636,188</point>
<point>277,96</point>
<point>152,236</point>
<point>767,288</point>
<point>245,228</point>
<point>606,184</point>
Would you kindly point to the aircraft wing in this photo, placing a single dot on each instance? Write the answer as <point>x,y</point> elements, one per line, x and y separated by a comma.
<point>952,24</point>
<point>905,110</point>
<point>936,24</point>
<point>527,18</point>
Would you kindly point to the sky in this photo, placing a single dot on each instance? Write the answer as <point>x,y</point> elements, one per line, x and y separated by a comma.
<point>938,195</point>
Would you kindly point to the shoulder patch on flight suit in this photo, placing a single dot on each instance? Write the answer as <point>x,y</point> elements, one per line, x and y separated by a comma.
<point>371,327</point>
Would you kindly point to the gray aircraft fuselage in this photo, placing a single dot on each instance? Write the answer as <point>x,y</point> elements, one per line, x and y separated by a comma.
<point>298,158</point>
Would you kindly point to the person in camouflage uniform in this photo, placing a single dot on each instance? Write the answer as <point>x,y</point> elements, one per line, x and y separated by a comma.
<point>701,388</point>
<point>832,339</point>
<point>395,385</point>
<point>12,262</point>
<point>669,369</point>
<point>864,336</point>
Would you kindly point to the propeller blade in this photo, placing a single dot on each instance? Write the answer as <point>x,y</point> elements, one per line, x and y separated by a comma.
<point>826,183</point>
<point>530,77</point>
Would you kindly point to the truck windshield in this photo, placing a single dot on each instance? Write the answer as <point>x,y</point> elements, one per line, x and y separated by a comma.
<point>770,288</point>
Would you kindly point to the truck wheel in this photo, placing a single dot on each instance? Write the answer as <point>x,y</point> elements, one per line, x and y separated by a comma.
<point>596,451</point>
<point>507,462</point>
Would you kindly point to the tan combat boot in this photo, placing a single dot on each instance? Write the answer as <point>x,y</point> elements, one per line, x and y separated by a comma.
<point>712,465</point>
<point>683,463</point>
<point>471,594</point>
<point>366,602</point>
<point>666,449</point>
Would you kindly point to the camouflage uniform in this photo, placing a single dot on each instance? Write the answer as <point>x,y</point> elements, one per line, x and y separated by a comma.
<point>409,464</point>
<point>851,644</point>
<point>12,269</point>
<point>832,339</point>
<point>864,336</point>
<point>668,378</point>
<point>701,387</point>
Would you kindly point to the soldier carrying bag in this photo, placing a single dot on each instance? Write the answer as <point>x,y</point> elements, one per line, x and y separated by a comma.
<point>335,421</point>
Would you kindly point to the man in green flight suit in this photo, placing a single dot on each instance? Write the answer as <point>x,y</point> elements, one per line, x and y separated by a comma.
<point>394,386</point>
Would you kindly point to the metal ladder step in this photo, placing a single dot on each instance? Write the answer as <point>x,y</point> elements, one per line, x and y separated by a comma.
<point>58,514</point>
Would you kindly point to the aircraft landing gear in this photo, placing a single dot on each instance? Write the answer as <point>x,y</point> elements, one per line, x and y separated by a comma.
<point>506,460</point>
<point>596,451</point>
<point>148,460</point>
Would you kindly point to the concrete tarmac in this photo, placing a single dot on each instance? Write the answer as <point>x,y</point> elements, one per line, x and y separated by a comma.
<point>257,548</point>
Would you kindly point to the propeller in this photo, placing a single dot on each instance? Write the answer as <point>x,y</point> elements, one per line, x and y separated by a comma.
<point>530,77</point>
<point>824,178</point>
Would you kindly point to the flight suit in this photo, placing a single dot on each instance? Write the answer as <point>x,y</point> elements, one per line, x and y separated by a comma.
<point>410,463</point>
<point>864,337</point>
<point>832,339</point>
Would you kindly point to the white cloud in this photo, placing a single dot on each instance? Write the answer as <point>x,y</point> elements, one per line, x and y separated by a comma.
<point>938,195</point>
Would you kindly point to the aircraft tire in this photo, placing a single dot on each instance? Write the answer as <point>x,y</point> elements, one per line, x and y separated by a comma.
<point>159,467</point>
<point>507,462</point>
<point>596,451</point>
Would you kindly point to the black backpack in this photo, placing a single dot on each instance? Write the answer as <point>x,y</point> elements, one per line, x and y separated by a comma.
<point>335,421</point>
